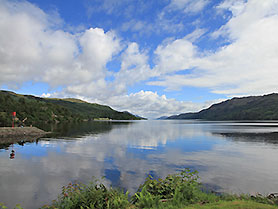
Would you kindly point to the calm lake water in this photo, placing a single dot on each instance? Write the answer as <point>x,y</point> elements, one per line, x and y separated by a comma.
<point>239,157</point>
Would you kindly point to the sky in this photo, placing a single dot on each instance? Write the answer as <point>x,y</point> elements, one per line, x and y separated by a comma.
<point>151,58</point>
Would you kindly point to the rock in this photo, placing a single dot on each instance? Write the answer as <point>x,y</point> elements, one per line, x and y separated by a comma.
<point>273,196</point>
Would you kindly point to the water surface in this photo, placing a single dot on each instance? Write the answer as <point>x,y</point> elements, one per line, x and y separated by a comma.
<point>235,157</point>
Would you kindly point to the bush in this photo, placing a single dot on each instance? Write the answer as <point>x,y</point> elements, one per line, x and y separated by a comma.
<point>175,191</point>
<point>94,195</point>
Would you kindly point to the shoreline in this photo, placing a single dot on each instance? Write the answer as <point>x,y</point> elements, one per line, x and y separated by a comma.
<point>21,131</point>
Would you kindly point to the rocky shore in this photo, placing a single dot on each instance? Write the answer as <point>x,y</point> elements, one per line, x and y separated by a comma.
<point>20,131</point>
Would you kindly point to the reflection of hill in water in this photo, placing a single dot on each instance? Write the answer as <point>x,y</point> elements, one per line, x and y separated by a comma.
<point>74,130</point>
<point>69,130</point>
<point>6,142</point>
<point>271,138</point>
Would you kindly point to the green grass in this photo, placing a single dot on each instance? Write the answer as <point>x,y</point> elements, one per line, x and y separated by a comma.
<point>176,191</point>
<point>181,190</point>
<point>235,204</point>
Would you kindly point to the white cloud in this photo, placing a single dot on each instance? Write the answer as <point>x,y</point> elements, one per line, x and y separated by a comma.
<point>46,95</point>
<point>150,104</point>
<point>32,49</point>
<point>248,65</point>
<point>195,35</point>
<point>107,6</point>
<point>124,8</point>
<point>245,15</point>
<point>188,6</point>
<point>87,66</point>
<point>134,25</point>
<point>77,60</point>
<point>235,6</point>
<point>175,55</point>
<point>28,43</point>
<point>134,66</point>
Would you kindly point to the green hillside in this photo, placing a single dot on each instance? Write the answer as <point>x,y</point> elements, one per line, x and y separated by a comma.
<point>245,108</point>
<point>38,110</point>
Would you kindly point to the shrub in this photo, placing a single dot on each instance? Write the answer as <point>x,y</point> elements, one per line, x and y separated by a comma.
<point>89,196</point>
<point>175,191</point>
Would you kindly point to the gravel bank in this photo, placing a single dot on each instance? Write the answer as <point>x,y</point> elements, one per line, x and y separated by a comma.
<point>18,131</point>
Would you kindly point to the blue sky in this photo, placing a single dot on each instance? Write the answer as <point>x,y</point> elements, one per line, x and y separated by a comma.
<point>151,58</point>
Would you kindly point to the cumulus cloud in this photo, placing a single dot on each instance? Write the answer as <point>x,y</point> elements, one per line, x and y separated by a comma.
<point>35,46</point>
<point>150,104</point>
<point>32,48</point>
<point>28,43</point>
<point>175,55</point>
<point>248,65</point>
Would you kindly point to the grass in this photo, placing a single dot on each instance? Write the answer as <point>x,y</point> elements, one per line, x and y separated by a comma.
<point>181,190</point>
<point>235,204</point>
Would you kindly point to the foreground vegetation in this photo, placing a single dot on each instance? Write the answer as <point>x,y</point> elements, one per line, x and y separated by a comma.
<point>175,191</point>
<point>37,110</point>
<point>245,108</point>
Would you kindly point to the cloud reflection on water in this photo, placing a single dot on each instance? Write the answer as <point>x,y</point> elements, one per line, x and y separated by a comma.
<point>127,153</point>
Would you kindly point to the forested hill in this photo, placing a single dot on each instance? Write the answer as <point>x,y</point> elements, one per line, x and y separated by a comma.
<point>245,108</point>
<point>38,110</point>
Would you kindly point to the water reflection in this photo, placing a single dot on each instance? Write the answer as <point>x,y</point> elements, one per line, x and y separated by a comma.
<point>226,155</point>
<point>76,130</point>
<point>12,155</point>
<point>269,138</point>
<point>5,143</point>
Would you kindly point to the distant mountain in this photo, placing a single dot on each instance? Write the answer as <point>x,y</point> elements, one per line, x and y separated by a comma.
<point>142,118</point>
<point>50,110</point>
<point>162,118</point>
<point>245,108</point>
